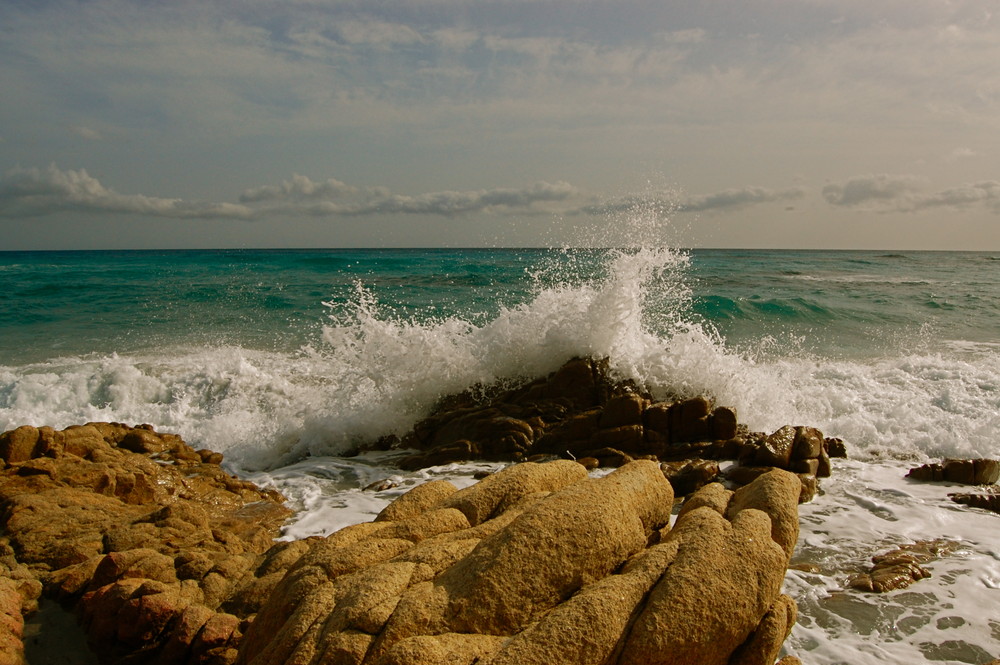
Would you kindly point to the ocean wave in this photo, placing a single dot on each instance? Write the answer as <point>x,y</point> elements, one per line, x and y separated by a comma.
<point>374,370</point>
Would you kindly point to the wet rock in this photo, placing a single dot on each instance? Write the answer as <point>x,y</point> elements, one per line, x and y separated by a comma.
<point>901,567</point>
<point>547,565</point>
<point>381,485</point>
<point>690,475</point>
<point>776,449</point>
<point>580,412</point>
<point>963,471</point>
<point>836,447</point>
<point>986,501</point>
<point>577,409</point>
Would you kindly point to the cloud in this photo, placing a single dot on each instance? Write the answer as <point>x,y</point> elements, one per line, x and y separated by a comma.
<point>32,192</point>
<point>736,198</point>
<point>299,187</point>
<point>86,133</point>
<point>879,189</point>
<point>379,200</point>
<point>960,153</point>
<point>728,199</point>
<point>987,192</point>
<point>903,193</point>
<point>35,192</point>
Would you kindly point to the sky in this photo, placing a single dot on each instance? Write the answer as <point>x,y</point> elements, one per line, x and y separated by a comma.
<point>842,124</point>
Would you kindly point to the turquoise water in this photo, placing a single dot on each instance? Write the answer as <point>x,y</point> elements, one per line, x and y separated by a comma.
<point>284,353</point>
<point>284,360</point>
<point>850,304</point>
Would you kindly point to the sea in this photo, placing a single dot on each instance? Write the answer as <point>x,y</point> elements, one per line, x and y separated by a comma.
<point>287,360</point>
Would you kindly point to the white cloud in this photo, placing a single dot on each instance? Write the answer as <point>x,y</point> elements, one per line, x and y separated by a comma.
<point>30,192</point>
<point>960,153</point>
<point>737,198</point>
<point>882,189</point>
<point>728,199</point>
<point>86,133</point>
<point>380,201</point>
<point>298,188</point>
<point>36,192</point>
<point>904,193</point>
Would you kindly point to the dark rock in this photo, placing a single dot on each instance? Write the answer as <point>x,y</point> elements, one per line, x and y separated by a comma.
<point>985,501</point>
<point>689,420</point>
<point>962,471</point>
<point>610,457</point>
<point>688,476</point>
<point>628,438</point>
<point>458,451</point>
<point>723,423</point>
<point>776,449</point>
<point>656,419</point>
<point>810,466</point>
<point>823,469</point>
<point>808,443</point>
<point>381,485</point>
<point>623,410</point>
<point>835,447</point>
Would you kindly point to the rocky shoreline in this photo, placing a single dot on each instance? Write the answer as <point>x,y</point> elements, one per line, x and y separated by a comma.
<point>165,558</point>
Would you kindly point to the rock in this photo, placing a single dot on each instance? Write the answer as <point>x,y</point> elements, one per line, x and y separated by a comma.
<point>764,644</point>
<point>696,616</point>
<point>776,494</point>
<point>546,565</point>
<point>501,491</point>
<point>133,527</point>
<point>381,485</point>
<point>901,567</point>
<point>962,471</point>
<point>623,410</point>
<point>11,622</point>
<point>776,449</point>
<point>580,412</point>
<point>445,453</point>
<point>808,443</point>
<point>986,501</point>
<point>835,447</point>
<point>688,476</point>
<point>418,500</point>
<point>610,457</point>
<point>572,412</point>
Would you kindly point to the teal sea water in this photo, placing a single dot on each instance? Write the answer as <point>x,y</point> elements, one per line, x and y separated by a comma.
<point>285,359</point>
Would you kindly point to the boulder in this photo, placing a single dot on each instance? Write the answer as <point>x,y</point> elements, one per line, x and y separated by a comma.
<point>545,565</point>
<point>143,534</point>
<point>581,412</point>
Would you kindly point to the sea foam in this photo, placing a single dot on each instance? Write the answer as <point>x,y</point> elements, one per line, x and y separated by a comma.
<point>374,371</point>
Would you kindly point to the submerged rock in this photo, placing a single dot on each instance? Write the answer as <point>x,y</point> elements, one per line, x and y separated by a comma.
<point>901,567</point>
<point>540,564</point>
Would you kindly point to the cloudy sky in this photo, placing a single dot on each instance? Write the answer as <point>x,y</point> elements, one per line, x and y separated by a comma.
<point>329,123</point>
